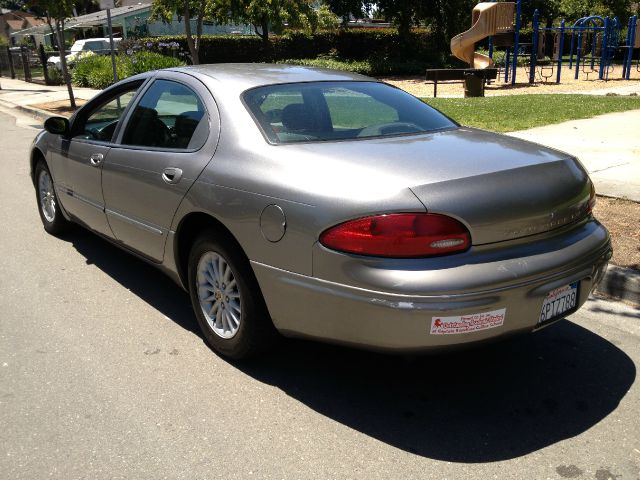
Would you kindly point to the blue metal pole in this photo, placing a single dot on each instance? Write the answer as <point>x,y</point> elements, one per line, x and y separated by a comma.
<point>560,51</point>
<point>573,34</point>
<point>631,40</point>
<point>604,57</point>
<point>491,41</point>
<point>507,64</point>
<point>578,53</point>
<point>593,48</point>
<point>534,46</point>
<point>626,53</point>
<point>516,42</point>
<point>631,44</point>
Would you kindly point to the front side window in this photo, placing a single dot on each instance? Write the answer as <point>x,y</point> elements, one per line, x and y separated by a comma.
<point>325,111</point>
<point>101,123</point>
<point>169,115</point>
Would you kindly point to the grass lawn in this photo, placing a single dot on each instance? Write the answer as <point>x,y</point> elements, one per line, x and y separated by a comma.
<point>519,112</point>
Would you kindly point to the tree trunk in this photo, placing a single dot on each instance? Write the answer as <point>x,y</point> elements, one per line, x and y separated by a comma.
<point>54,39</point>
<point>195,59</point>
<point>404,20</point>
<point>263,33</point>
<point>63,61</point>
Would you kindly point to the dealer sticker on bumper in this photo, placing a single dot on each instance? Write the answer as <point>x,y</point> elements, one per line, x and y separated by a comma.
<point>467,323</point>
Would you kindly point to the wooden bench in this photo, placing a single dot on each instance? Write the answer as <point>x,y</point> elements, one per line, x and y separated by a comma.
<point>458,75</point>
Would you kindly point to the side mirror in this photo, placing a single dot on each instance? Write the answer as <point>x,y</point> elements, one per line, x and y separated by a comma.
<point>57,125</point>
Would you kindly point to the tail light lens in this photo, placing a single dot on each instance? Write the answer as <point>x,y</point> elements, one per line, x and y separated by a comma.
<point>399,235</point>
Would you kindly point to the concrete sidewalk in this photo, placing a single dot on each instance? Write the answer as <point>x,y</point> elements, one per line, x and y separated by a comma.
<point>23,95</point>
<point>608,146</point>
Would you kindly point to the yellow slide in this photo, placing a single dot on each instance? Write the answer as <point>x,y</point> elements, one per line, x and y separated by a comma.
<point>487,19</point>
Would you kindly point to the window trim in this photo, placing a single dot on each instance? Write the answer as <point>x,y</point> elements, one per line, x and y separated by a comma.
<point>456,125</point>
<point>120,133</point>
<point>108,94</point>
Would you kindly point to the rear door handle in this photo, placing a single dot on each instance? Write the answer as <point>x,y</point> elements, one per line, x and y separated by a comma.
<point>172,175</point>
<point>96,159</point>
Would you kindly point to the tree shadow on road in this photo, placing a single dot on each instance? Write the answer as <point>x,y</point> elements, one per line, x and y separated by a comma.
<point>491,403</point>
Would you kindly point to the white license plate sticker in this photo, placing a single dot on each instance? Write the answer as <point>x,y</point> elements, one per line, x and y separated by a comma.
<point>559,301</point>
<point>470,323</point>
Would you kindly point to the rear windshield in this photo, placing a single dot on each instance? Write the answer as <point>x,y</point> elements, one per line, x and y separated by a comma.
<point>322,111</point>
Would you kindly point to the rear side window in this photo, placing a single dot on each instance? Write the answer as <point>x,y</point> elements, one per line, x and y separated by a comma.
<point>169,115</point>
<point>325,111</point>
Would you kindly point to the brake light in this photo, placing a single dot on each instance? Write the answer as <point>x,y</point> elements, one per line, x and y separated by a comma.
<point>399,235</point>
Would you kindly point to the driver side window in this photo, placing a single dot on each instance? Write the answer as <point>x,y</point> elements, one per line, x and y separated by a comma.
<point>102,122</point>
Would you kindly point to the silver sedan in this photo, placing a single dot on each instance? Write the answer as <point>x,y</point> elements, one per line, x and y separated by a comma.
<point>321,204</point>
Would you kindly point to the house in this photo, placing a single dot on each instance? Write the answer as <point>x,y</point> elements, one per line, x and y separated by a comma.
<point>128,21</point>
<point>16,21</point>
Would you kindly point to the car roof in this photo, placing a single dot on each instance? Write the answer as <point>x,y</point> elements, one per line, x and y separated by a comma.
<point>88,40</point>
<point>239,77</point>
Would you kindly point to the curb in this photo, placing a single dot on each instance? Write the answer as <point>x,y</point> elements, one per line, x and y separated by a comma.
<point>32,111</point>
<point>622,283</point>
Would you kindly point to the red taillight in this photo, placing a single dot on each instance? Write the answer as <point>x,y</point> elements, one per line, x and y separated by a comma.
<point>400,235</point>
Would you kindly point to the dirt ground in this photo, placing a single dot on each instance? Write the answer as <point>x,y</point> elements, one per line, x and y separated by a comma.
<point>621,219</point>
<point>420,88</point>
<point>59,107</point>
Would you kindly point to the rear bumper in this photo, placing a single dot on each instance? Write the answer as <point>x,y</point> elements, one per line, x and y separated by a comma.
<point>377,310</point>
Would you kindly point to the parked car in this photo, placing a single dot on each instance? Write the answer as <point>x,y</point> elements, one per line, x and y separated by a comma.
<point>325,205</point>
<point>99,46</point>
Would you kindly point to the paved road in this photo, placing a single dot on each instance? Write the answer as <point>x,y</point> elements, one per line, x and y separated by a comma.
<point>103,375</point>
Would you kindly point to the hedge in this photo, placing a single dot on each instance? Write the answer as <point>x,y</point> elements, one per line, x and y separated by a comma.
<point>362,44</point>
<point>96,71</point>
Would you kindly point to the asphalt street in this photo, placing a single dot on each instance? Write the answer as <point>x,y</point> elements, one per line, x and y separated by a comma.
<point>103,375</point>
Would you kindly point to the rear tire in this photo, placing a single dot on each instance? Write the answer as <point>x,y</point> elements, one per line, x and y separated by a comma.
<point>48,205</point>
<point>226,298</point>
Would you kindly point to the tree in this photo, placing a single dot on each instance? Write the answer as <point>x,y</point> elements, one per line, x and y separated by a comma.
<point>264,15</point>
<point>403,13</point>
<point>56,12</point>
<point>347,8</point>
<point>186,10</point>
<point>575,9</point>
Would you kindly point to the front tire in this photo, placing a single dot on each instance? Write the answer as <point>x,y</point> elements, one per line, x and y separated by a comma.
<point>48,205</point>
<point>226,298</point>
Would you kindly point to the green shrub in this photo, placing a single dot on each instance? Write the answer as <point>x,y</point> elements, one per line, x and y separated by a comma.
<point>96,71</point>
<point>378,45</point>
<point>364,67</point>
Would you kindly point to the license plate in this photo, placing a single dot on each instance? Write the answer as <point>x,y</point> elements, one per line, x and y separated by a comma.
<point>558,302</point>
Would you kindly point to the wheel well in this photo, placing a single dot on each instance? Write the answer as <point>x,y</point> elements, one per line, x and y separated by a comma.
<point>36,155</point>
<point>188,231</point>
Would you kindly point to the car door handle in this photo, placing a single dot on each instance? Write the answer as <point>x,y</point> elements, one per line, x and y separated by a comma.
<point>172,175</point>
<point>96,159</point>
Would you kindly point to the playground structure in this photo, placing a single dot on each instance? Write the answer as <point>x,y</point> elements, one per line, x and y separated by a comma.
<point>488,19</point>
<point>593,43</point>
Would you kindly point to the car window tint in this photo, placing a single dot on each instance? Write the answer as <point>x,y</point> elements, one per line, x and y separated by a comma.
<point>325,111</point>
<point>352,109</point>
<point>102,122</point>
<point>169,115</point>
